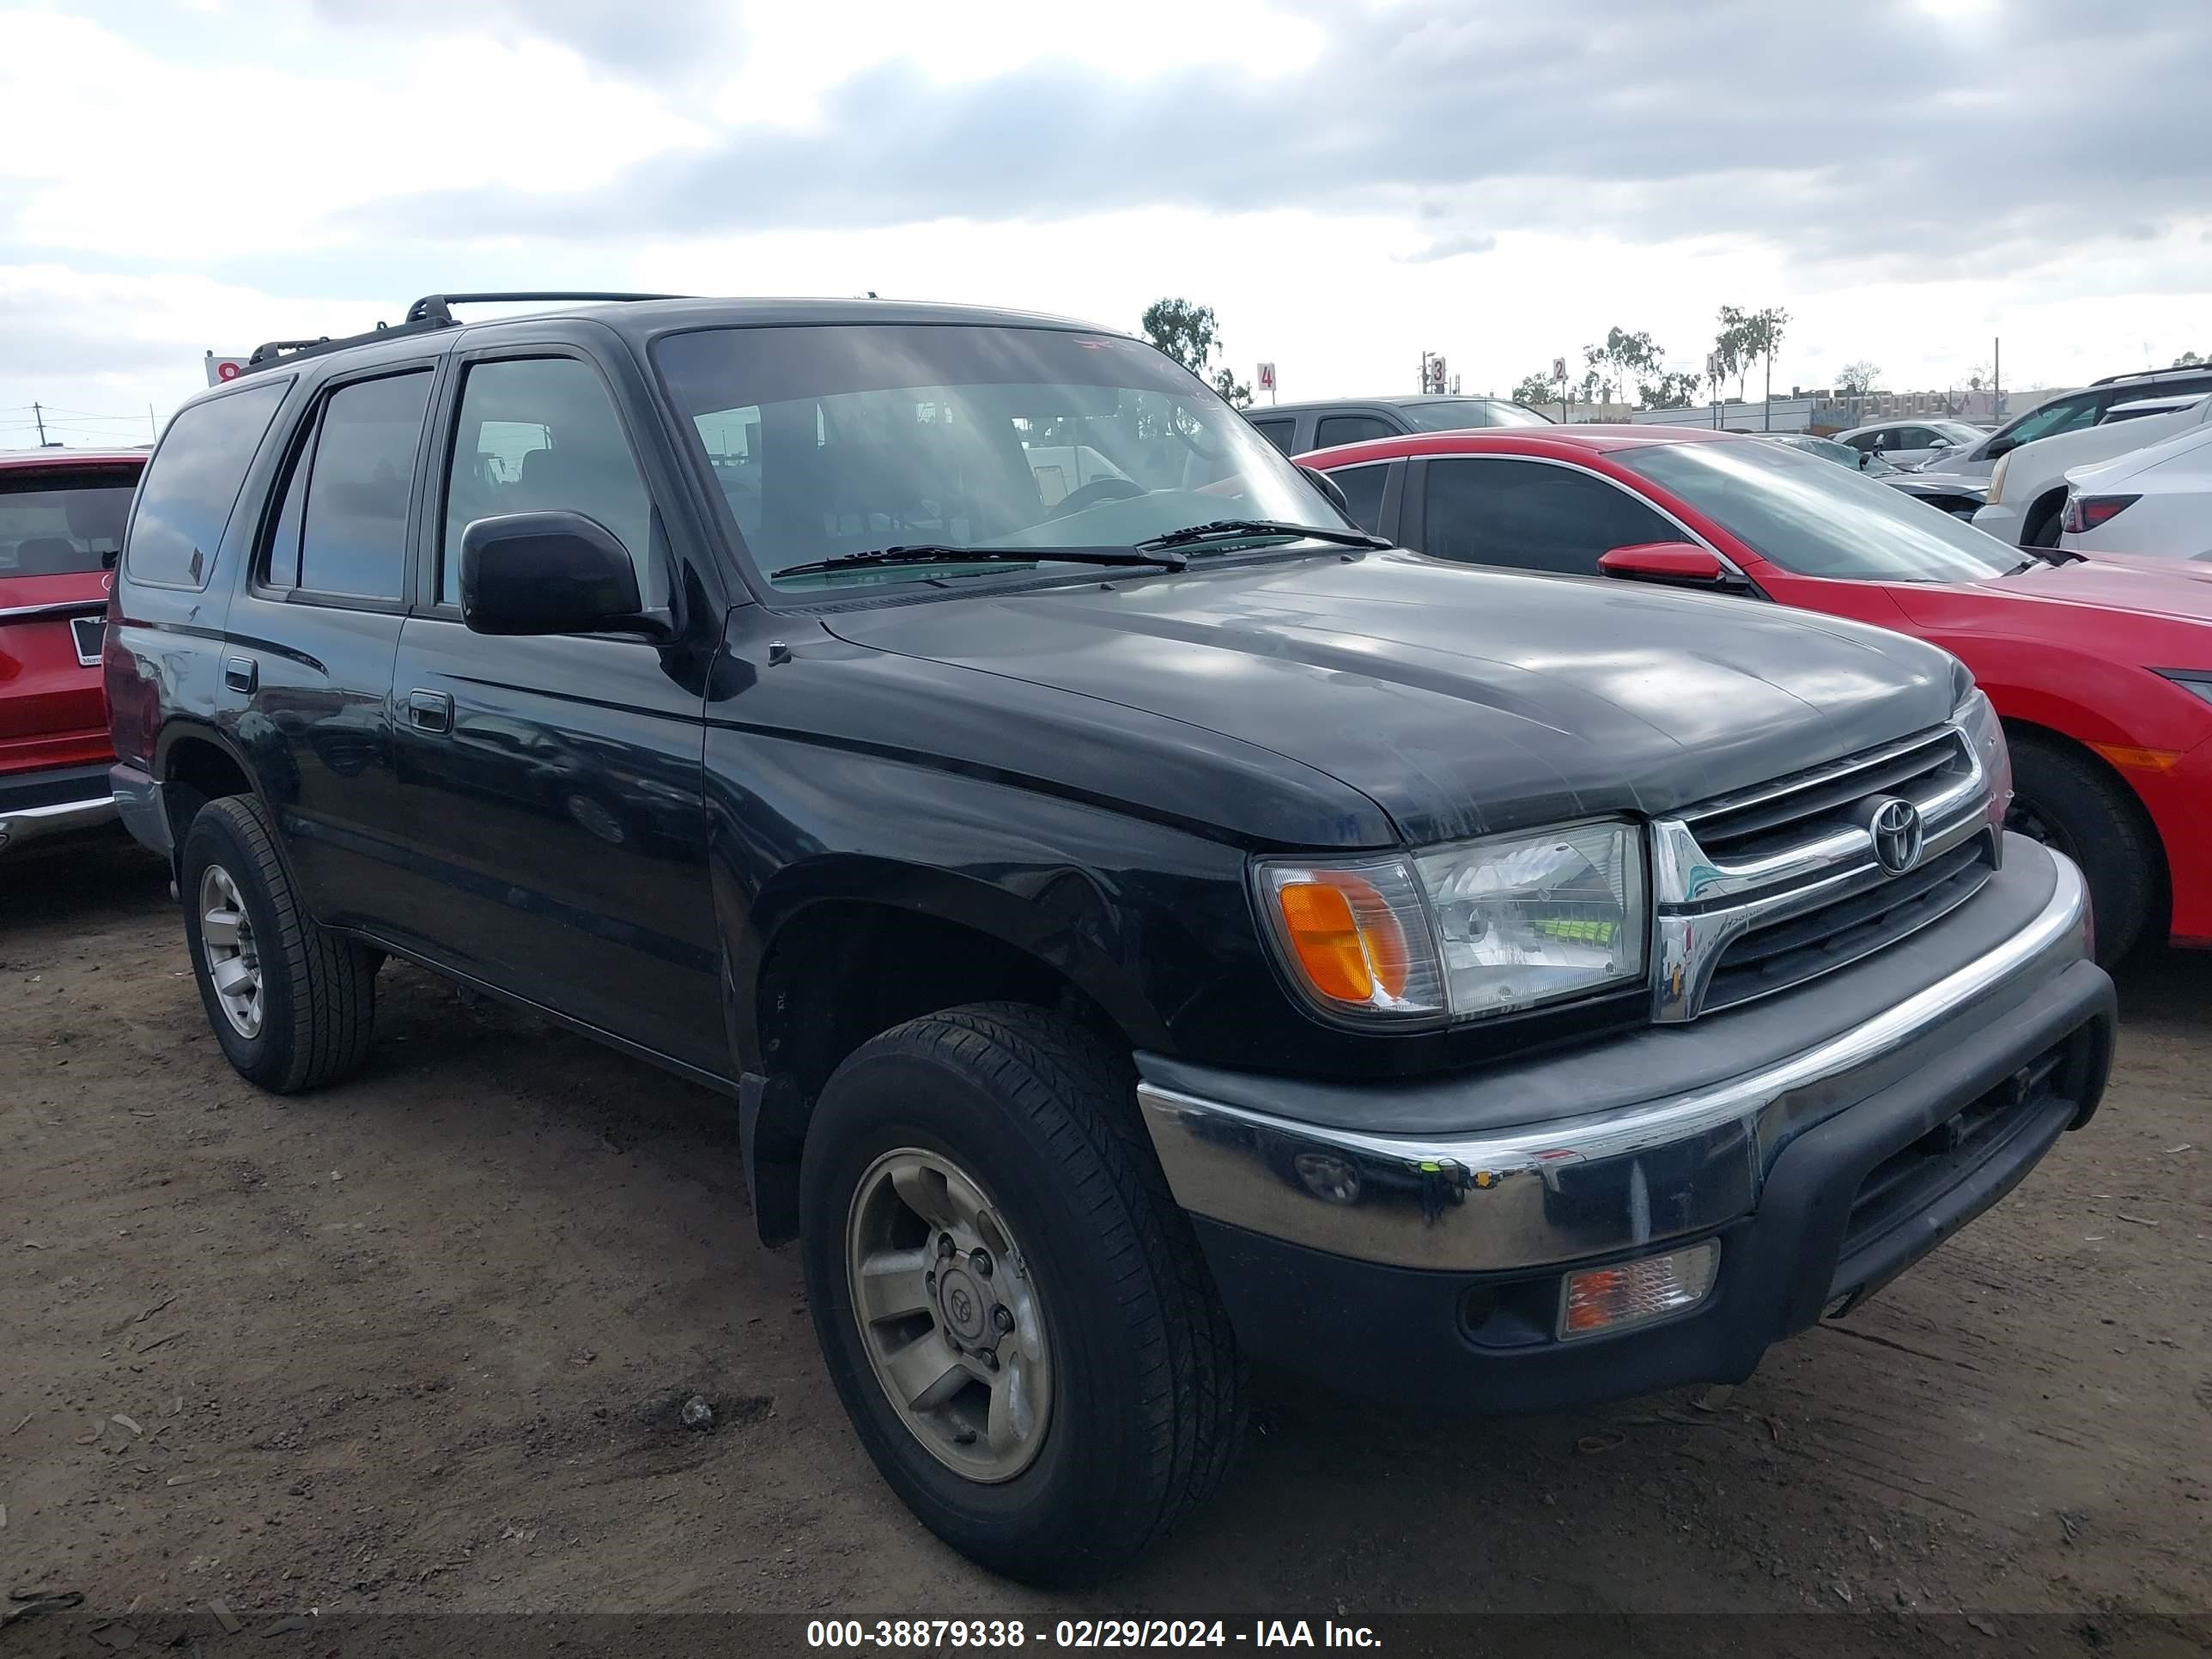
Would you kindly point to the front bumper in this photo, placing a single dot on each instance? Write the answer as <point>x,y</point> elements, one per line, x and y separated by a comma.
<point>37,804</point>
<point>1430,1267</point>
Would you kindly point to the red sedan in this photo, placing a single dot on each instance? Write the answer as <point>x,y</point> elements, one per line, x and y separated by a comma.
<point>62,513</point>
<point>2101,667</point>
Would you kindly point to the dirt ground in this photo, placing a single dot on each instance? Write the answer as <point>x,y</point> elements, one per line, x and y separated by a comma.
<point>419,1343</point>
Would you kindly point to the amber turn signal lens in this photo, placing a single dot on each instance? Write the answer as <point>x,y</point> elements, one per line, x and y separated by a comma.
<point>1345,938</point>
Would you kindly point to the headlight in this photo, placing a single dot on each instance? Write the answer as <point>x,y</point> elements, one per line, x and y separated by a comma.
<point>1997,478</point>
<point>1476,927</point>
<point>1977,719</point>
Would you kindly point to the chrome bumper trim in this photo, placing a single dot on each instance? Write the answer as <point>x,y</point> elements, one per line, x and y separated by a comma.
<point>30,823</point>
<point>1557,1192</point>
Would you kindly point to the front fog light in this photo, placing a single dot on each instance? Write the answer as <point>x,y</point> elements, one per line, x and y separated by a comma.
<point>1601,1300</point>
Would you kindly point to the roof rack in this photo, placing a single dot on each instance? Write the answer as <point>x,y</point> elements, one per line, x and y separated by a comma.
<point>2151,373</point>
<point>432,310</point>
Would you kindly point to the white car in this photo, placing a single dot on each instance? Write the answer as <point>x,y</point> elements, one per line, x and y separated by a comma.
<point>2028,489</point>
<point>1907,442</point>
<point>2156,501</point>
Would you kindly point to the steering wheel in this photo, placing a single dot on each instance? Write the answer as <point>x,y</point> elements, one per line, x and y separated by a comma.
<point>1098,490</point>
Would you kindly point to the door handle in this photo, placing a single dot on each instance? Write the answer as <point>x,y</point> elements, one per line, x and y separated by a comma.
<point>241,674</point>
<point>430,711</point>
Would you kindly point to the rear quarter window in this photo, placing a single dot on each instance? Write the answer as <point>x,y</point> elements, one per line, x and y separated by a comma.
<point>192,485</point>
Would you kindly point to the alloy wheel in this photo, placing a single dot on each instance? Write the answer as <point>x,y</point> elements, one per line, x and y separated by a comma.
<point>950,1315</point>
<point>232,958</point>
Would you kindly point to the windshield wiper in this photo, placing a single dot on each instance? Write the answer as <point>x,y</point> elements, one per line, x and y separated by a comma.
<point>1222,529</point>
<point>931,553</point>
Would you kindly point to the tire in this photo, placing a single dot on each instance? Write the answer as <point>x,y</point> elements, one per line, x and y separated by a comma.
<point>2069,802</point>
<point>316,992</point>
<point>2045,521</point>
<point>1146,1400</point>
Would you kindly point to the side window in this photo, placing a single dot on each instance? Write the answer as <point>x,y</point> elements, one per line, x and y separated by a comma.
<point>1349,429</point>
<point>1281,433</point>
<point>1363,488</point>
<point>193,484</point>
<point>1532,516</point>
<point>540,434</point>
<point>360,478</point>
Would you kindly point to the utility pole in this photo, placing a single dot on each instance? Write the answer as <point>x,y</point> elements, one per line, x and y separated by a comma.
<point>39,416</point>
<point>153,432</point>
<point>1997,378</point>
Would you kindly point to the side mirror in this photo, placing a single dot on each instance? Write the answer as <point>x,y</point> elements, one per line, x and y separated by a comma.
<point>550,573</point>
<point>1942,443</point>
<point>1684,564</point>
<point>1328,487</point>
<point>1865,460</point>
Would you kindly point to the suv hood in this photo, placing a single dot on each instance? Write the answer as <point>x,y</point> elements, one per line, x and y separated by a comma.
<point>1462,701</point>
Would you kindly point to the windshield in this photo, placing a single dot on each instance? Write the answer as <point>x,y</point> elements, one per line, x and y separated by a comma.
<point>49,527</point>
<point>1459,414</point>
<point>1818,519</point>
<point>839,439</point>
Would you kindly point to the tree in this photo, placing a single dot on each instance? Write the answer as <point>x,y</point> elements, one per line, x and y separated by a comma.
<point>1187,333</point>
<point>1670,390</point>
<point>1732,346</point>
<point>2187,360</point>
<point>1536,389</point>
<point>1856,379</point>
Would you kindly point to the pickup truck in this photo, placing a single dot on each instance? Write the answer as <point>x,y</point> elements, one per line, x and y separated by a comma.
<point>1146,928</point>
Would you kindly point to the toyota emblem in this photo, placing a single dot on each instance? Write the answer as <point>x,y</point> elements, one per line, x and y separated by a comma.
<point>1898,835</point>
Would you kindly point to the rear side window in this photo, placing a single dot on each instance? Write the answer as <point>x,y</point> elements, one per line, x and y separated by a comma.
<point>1349,429</point>
<point>1363,494</point>
<point>343,528</point>
<point>540,434</point>
<point>63,523</point>
<point>1532,516</point>
<point>193,484</point>
<point>1281,433</point>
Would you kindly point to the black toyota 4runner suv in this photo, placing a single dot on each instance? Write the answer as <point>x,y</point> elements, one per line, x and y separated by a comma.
<point>1145,923</point>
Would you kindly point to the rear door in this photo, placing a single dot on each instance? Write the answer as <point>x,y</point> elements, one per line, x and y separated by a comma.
<point>552,786</point>
<point>307,663</point>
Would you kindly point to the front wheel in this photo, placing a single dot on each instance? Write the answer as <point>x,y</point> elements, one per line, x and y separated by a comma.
<point>1013,1308</point>
<point>2072,805</point>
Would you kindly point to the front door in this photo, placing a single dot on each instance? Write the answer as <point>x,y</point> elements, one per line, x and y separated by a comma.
<point>552,787</point>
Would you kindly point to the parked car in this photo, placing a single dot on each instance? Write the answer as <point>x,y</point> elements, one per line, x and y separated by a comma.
<point>1828,449</point>
<point>2027,490</point>
<point>2154,501</point>
<point>1142,931</point>
<point>1293,427</point>
<point>1959,497</point>
<point>1909,442</point>
<point>62,512</point>
<point>2096,667</point>
<point>2069,411</point>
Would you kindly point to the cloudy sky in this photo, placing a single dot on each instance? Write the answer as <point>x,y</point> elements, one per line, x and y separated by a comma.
<point>1347,183</point>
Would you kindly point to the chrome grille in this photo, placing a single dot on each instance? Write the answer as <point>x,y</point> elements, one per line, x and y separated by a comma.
<point>1765,889</point>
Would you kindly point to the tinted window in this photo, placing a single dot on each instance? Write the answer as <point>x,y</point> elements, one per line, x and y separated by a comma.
<point>1534,516</point>
<point>540,434</point>
<point>194,482</point>
<point>1281,433</point>
<point>1862,442</point>
<point>1349,429</point>
<point>353,535</point>
<point>1914,437</point>
<point>2067,414</point>
<point>63,525</point>
<point>1822,521</point>
<point>1362,492</point>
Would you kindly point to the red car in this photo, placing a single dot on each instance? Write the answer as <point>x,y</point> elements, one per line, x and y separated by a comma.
<point>62,513</point>
<point>2101,667</point>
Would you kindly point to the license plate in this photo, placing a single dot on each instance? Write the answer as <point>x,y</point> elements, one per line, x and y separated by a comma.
<point>90,632</point>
